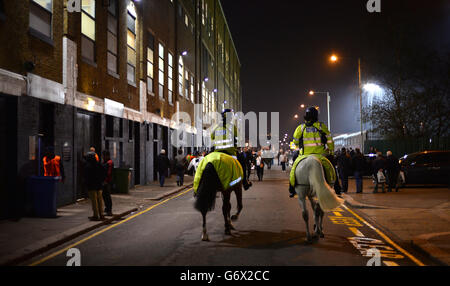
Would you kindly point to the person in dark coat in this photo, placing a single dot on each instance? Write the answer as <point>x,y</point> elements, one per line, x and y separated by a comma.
<point>180,167</point>
<point>337,187</point>
<point>358,164</point>
<point>378,165</point>
<point>344,167</point>
<point>94,177</point>
<point>162,165</point>
<point>108,166</point>
<point>392,171</point>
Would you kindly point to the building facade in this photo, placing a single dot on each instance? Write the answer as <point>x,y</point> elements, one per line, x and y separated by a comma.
<point>109,74</point>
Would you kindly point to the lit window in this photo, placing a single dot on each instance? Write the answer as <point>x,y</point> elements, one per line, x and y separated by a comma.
<point>112,36</point>
<point>192,88</point>
<point>131,43</point>
<point>40,17</point>
<point>88,29</point>
<point>170,77</point>
<point>186,84</point>
<point>180,76</point>
<point>186,20</point>
<point>161,71</point>
<point>150,65</point>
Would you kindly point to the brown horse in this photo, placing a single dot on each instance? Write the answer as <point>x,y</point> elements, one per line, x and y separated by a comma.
<point>205,201</point>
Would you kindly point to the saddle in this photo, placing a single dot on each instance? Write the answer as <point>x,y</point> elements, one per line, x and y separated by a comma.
<point>328,169</point>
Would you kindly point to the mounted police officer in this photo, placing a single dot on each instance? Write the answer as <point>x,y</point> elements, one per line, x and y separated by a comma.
<point>224,138</point>
<point>311,137</point>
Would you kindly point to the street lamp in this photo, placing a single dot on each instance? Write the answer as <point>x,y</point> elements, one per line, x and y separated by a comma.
<point>296,116</point>
<point>311,92</point>
<point>334,59</point>
<point>302,106</point>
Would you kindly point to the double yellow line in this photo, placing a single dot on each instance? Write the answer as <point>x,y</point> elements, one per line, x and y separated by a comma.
<point>106,229</point>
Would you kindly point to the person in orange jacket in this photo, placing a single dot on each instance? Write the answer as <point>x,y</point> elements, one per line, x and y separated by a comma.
<point>53,166</point>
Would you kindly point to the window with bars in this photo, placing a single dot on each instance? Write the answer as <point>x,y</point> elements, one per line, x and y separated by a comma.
<point>40,17</point>
<point>161,71</point>
<point>170,77</point>
<point>131,43</point>
<point>112,44</point>
<point>88,30</point>
<point>150,63</point>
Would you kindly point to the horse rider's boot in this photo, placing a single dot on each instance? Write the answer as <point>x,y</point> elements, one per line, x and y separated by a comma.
<point>291,191</point>
<point>247,184</point>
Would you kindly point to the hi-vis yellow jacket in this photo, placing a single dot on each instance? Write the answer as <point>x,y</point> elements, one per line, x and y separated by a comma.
<point>228,169</point>
<point>312,143</point>
<point>225,138</point>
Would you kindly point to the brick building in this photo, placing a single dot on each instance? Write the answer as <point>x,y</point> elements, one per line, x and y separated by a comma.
<point>110,75</point>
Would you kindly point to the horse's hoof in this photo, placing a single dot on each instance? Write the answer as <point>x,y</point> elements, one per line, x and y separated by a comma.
<point>322,235</point>
<point>228,232</point>
<point>234,217</point>
<point>205,237</point>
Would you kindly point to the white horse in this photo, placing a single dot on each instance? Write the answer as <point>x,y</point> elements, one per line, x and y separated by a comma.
<point>311,183</point>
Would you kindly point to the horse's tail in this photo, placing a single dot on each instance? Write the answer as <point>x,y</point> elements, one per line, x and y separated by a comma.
<point>325,194</point>
<point>207,189</point>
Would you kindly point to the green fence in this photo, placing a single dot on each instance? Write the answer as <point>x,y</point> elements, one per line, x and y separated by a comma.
<point>400,147</point>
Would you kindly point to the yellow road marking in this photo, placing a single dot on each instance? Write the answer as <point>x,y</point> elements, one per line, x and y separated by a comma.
<point>356,231</point>
<point>390,263</point>
<point>386,238</point>
<point>348,221</point>
<point>105,229</point>
<point>337,214</point>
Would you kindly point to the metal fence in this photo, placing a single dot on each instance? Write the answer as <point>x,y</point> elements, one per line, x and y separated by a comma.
<point>400,147</point>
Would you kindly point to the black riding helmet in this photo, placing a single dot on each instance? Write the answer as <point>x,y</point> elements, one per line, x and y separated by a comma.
<point>311,114</point>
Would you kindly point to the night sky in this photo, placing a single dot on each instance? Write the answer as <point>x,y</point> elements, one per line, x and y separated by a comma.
<point>284,48</point>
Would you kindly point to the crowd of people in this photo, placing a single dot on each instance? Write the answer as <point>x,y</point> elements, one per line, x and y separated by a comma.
<point>384,170</point>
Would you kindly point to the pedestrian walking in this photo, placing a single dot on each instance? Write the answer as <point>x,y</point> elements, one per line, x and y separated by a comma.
<point>94,177</point>
<point>108,166</point>
<point>282,159</point>
<point>162,165</point>
<point>344,168</point>
<point>379,166</point>
<point>358,164</point>
<point>180,166</point>
<point>259,166</point>
<point>392,171</point>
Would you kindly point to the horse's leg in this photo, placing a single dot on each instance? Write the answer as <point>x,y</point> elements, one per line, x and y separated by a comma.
<point>321,213</point>
<point>301,198</point>
<point>226,207</point>
<point>205,236</point>
<point>238,193</point>
<point>314,206</point>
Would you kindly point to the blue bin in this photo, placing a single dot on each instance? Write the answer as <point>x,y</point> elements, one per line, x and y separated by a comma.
<point>42,192</point>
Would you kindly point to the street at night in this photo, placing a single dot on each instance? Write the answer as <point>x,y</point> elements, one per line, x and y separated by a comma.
<point>270,232</point>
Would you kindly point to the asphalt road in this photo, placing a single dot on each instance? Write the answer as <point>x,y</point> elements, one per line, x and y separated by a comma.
<point>270,232</point>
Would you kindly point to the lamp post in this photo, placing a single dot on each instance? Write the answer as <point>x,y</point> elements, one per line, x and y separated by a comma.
<point>334,59</point>
<point>328,104</point>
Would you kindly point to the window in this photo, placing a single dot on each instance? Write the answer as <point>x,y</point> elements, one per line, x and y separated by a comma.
<point>88,29</point>
<point>181,76</point>
<point>170,77</point>
<point>131,43</point>
<point>192,88</point>
<point>150,65</point>
<point>161,71</point>
<point>204,101</point>
<point>186,84</point>
<point>40,17</point>
<point>112,36</point>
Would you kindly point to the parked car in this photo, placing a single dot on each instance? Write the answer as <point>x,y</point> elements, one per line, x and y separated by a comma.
<point>427,167</point>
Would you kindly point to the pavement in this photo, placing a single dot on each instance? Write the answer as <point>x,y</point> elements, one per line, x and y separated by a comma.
<point>30,236</point>
<point>416,215</point>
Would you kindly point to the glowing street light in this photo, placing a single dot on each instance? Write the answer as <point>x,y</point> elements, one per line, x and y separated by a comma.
<point>333,58</point>
<point>296,116</point>
<point>302,106</point>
